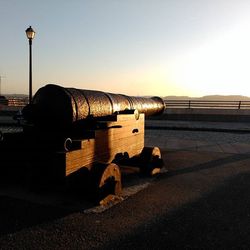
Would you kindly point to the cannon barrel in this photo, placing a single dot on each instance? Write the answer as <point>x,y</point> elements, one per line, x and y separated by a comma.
<point>59,105</point>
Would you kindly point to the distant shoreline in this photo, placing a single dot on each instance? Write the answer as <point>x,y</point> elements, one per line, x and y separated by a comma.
<point>210,97</point>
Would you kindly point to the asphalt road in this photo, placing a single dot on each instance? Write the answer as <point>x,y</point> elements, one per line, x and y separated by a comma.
<point>202,202</point>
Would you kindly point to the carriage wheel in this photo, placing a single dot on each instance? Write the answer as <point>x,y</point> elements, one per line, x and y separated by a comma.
<point>106,179</point>
<point>150,160</point>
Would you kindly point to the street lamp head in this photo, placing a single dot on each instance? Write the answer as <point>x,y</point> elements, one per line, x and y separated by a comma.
<point>30,33</point>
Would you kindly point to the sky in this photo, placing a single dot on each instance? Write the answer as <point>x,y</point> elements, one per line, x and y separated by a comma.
<point>133,47</point>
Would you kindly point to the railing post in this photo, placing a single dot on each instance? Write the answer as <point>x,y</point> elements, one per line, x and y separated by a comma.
<point>239,104</point>
<point>189,104</point>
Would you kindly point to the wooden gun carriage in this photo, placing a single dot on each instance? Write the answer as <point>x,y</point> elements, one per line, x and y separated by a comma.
<point>71,133</point>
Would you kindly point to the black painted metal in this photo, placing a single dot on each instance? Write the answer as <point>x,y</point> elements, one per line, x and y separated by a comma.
<point>56,104</point>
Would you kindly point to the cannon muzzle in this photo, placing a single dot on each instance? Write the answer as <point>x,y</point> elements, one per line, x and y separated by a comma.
<point>63,106</point>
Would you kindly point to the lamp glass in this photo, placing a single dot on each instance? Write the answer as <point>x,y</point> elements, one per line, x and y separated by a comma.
<point>30,33</point>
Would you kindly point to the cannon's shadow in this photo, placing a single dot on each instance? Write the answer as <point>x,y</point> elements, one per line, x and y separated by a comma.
<point>17,214</point>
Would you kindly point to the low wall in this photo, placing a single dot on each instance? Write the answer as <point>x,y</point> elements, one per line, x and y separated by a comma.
<point>228,115</point>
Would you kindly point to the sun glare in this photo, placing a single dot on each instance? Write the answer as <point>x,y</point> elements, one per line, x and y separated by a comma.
<point>221,66</point>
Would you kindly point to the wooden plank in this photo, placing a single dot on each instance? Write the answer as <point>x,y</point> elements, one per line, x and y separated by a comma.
<point>110,135</point>
<point>125,120</point>
<point>113,134</point>
<point>126,117</point>
<point>124,135</point>
<point>102,152</point>
<point>123,117</point>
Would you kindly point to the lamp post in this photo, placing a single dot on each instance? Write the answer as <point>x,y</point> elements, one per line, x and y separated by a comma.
<point>1,77</point>
<point>30,33</point>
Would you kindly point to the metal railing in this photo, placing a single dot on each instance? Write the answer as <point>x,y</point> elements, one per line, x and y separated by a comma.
<point>186,104</point>
<point>17,102</point>
<point>203,104</point>
<point>14,102</point>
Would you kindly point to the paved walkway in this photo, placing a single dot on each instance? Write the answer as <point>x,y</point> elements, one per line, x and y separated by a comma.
<point>200,141</point>
<point>224,137</point>
<point>202,202</point>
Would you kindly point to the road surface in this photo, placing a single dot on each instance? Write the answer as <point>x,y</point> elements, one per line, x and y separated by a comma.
<point>202,202</point>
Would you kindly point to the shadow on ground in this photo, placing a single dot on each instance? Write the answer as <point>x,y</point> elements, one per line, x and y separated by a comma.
<point>21,208</point>
<point>219,220</point>
<point>17,214</point>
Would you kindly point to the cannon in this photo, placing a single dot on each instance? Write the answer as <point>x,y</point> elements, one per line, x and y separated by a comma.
<point>61,107</point>
<point>91,134</point>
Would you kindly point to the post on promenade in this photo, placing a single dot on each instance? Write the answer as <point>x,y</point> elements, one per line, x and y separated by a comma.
<point>30,33</point>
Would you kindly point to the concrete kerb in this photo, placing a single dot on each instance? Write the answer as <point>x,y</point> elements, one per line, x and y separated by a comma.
<point>229,127</point>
